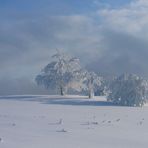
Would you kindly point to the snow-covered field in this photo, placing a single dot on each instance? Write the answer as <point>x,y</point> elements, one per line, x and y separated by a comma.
<point>70,122</point>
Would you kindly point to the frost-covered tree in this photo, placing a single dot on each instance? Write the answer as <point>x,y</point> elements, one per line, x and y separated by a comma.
<point>128,90</point>
<point>102,90</point>
<point>91,82</point>
<point>61,73</point>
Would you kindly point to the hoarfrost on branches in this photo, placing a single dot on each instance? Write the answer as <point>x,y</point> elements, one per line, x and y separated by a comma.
<point>128,90</point>
<point>61,73</point>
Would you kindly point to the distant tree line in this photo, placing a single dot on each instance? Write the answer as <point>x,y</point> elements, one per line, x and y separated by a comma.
<point>65,74</point>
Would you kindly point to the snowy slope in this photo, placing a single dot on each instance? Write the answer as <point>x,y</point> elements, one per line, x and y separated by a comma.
<point>70,122</point>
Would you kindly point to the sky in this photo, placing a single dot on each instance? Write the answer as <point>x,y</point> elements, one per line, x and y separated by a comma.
<point>109,36</point>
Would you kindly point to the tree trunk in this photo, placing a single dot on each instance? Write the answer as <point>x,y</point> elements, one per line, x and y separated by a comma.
<point>61,91</point>
<point>91,93</point>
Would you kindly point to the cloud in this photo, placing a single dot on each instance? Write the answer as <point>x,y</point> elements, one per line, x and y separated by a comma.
<point>27,44</point>
<point>131,18</point>
<point>125,42</point>
<point>110,41</point>
<point>122,53</point>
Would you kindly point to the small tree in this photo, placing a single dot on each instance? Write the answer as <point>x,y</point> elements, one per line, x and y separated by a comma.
<point>102,90</point>
<point>60,74</point>
<point>128,90</point>
<point>91,82</point>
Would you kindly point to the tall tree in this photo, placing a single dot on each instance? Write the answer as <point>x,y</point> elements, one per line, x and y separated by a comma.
<point>61,73</point>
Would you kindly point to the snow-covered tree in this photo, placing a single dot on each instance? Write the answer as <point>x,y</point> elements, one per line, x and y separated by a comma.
<point>128,90</point>
<point>102,90</point>
<point>61,73</point>
<point>91,82</point>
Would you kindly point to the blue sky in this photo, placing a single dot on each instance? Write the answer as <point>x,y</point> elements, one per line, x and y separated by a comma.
<point>55,7</point>
<point>109,37</point>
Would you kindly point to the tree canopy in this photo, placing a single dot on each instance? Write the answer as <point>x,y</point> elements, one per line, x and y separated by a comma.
<point>128,90</point>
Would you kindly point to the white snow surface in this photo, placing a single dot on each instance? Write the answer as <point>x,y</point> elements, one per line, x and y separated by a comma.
<point>70,122</point>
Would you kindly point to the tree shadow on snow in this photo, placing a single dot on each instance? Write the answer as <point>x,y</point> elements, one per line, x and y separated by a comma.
<point>60,100</point>
<point>77,102</point>
<point>20,97</point>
